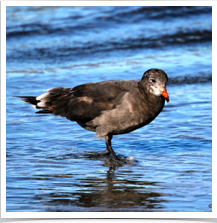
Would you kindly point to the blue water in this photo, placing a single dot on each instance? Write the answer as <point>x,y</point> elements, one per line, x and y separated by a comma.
<point>48,157</point>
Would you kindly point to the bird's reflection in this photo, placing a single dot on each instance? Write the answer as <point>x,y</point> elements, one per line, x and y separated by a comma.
<point>112,190</point>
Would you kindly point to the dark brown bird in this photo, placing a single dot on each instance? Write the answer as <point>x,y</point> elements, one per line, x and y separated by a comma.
<point>108,107</point>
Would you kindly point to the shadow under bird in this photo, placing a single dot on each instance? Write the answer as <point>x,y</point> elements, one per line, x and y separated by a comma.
<point>108,107</point>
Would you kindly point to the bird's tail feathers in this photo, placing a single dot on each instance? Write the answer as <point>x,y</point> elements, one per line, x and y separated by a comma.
<point>38,104</point>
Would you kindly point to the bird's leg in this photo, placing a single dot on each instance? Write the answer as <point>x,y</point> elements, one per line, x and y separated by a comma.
<point>105,152</point>
<point>108,139</point>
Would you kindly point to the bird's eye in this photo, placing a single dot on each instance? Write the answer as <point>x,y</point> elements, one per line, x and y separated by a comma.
<point>153,80</point>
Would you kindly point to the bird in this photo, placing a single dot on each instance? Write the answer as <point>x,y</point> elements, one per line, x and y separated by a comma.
<point>110,107</point>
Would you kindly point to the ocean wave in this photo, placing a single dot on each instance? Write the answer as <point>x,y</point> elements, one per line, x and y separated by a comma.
<point>189,79</point>
<point>100,46</point>
<point>109,17</point>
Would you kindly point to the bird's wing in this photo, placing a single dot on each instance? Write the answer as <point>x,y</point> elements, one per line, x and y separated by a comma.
<point>84,102</point>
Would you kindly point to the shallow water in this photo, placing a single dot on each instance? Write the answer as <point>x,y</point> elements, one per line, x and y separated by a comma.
<point>48,158</point>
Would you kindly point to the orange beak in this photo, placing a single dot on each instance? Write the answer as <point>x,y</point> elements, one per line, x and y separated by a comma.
<point>165,95</point>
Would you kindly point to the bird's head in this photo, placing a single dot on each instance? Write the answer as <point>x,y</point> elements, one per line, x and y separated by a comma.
<point>155,81</point>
